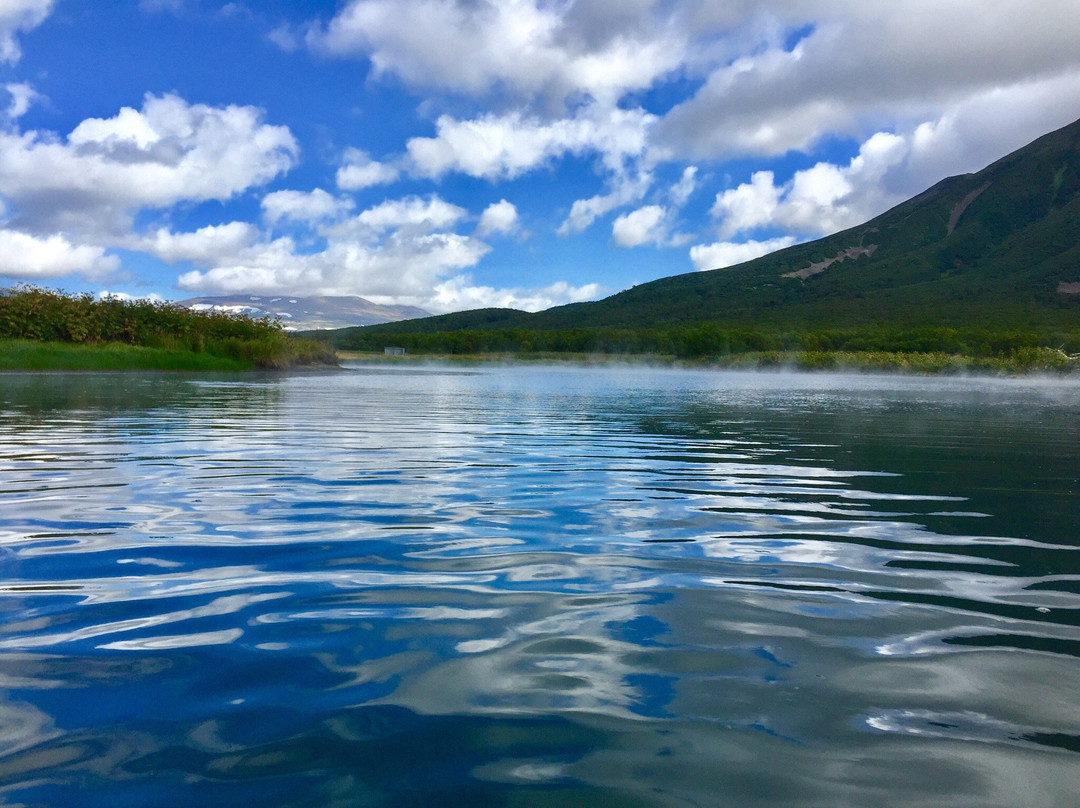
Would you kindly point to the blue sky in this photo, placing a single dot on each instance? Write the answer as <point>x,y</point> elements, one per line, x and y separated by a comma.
<point>453,154</point>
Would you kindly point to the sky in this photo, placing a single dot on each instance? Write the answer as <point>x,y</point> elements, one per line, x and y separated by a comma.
<point>458,154</point>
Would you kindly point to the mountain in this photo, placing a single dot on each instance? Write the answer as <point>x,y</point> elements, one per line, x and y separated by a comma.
<point>307,313</point>
<point>999,249</point>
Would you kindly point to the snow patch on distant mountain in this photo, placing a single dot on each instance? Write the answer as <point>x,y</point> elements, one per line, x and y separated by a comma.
<point>307,313</point>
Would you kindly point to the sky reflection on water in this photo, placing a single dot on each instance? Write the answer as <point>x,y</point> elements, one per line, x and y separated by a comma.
<point>538,586</point>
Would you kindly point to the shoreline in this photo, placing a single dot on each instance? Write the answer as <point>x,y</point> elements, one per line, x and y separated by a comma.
<point>21,356</point>
<point>33,356</point>
<point>1043,362</point>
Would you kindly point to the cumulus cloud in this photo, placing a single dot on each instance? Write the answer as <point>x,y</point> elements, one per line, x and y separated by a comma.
<point>402,251</point>
<point>855,64</point>
<point>359,171</point>
<point>862,63</point>
<point>891,167</point>
<point>29,257</point>
<point>506,146</point>
<point>750,205</point>
<point>725,253</point>
<point>552,80</point>
<point>206,245</point>
<point>681,191</point>
<point>22,97</point>
<point>420,271</point>
<point>851,65</point>
<point>413,215</point>
<point>401,267</point>
<point>529,49</point>
<point>498,217</point>
<point>399,250</point>
<point>642,226</point>
<point>152,297</point>
<point>167,152</point>
<point>303,206</point>
<point>818,200</point>
<point>584,212</point>
<point>459,293</point>
<point>983,127</point>
<point>17,16</point>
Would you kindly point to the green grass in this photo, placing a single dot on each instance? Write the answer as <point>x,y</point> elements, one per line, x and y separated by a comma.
<point>49,330</point>
<point>20,354</point>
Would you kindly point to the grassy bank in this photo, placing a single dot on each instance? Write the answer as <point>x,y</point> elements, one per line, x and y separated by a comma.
<point>46,330</point>
<point>31,355</point>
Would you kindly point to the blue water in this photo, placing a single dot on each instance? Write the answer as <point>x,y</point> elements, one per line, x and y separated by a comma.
<point>539,587</point>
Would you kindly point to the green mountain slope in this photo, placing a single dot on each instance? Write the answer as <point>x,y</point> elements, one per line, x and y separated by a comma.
<point>997,249</point>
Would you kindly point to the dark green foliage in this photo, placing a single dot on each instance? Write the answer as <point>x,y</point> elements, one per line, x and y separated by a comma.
<point>713,342</point>
<point>42,315</point>
<point>36,355</point>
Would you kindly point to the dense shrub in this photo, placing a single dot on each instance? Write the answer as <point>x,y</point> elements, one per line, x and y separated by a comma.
<point>713,341</point>
<point>28,312</point>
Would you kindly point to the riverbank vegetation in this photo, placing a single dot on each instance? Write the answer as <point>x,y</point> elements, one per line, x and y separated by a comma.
<point>42,329</point>
<point>918,350</point>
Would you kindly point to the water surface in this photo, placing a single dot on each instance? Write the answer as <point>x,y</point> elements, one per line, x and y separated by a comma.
<point>539,586</point>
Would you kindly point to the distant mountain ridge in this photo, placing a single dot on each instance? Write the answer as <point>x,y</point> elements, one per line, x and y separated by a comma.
<point>308,313</point>
<point>997,248</point>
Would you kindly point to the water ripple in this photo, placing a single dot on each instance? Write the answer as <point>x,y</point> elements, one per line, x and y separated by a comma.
<point>436,587</point>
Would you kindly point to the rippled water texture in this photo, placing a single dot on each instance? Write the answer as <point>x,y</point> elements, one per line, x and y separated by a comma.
<point>539,587</point>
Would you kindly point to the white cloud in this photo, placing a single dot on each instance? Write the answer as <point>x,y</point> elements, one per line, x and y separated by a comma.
<point>861,65</point>
<point>359,171</point>
<point>498,217</point>
<point>303,206</point>
<point>558,79</point>
<point>818,200</point>
<point>529,49</point>
<point>725,253</point>
<point>748,206</point>
<point>22,97</point>
<point>165,153</point>
<point>207,245</point>
<point>642,226</point>
<point>985,126</point>
<point>458,293</point>
<point>858,67</point>
<point>680,192</point>
<point>586,211</point>
<point>30,257</point>
<point>17,16</point>
<point>152,297</point>
<point>400,251</point>
<point>507,146</point>
<point>286,38</point>
<point>411,214</point>
<point>402,267</point>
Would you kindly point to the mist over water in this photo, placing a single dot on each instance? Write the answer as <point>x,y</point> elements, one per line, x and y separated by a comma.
<point>539,586</point>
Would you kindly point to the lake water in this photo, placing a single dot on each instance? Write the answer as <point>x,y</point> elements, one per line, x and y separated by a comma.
<point>539,587</point>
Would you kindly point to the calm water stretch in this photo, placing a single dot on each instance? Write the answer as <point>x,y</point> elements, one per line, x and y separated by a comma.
<point>539,587</point>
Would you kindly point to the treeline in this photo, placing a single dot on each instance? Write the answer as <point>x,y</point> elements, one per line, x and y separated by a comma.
<point>43,315</point>
<point>708,341</point>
